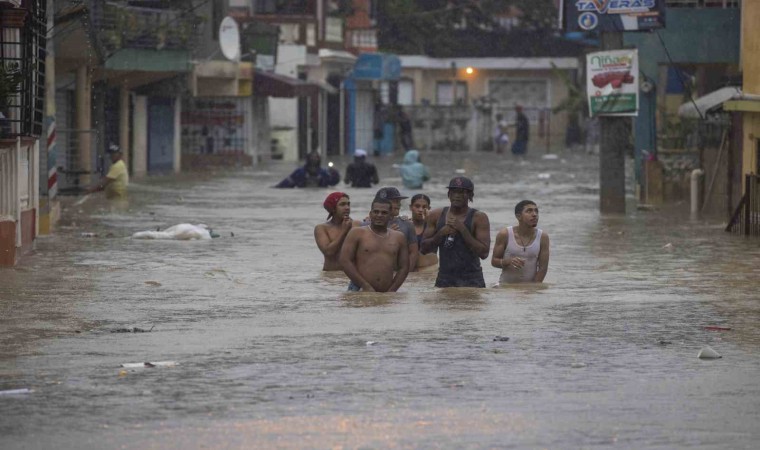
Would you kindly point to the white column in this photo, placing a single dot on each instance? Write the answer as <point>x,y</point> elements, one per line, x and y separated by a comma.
<point>177,135</point>
<point>140,136</point>
<point>34,188</point>
<point>17,191</point>
<point>126,152</point>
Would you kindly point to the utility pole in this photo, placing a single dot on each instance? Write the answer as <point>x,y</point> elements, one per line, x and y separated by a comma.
<point>615,131</point>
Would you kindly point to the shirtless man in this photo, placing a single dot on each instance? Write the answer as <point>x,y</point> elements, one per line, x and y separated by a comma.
<point>370,253</point>
<point>462,236</point>
<point>522,252</point>
<point>331,234</point>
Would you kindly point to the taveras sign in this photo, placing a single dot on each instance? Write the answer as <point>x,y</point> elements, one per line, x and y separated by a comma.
<point>611,15</point>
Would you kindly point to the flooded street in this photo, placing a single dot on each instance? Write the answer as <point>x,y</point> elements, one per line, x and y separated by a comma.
<point>272,353</point>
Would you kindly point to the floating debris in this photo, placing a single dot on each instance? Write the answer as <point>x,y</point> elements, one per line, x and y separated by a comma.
<point>544,176</point>
<point>550,156</point>
<point>153,283</point>
<point>143,365</point>
<point>668,246</point>
<point>716,328</point>
<point>132,330</point>
<point>500,339</point>
<point>88,235</point>
<point>21,391</point>
<point>371,343</point>
<point>708,353</point>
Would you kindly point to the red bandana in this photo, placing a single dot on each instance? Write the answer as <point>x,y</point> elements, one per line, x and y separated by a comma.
<point>331,202</point>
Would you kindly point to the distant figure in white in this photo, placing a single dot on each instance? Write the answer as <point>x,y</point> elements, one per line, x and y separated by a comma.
<point>522,252</point>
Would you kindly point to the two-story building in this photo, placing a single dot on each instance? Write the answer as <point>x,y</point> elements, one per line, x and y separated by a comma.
<point>23,27</point>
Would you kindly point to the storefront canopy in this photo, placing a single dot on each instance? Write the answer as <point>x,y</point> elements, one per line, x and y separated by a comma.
<point>708,103</point>
<point>377,66</point>
<point>270,84</point>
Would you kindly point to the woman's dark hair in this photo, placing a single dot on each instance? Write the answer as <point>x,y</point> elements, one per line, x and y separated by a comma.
<point>420,196</point>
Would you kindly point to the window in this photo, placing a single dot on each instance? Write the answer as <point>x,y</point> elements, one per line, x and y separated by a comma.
<point>444,94</point>
<point>405,92</point>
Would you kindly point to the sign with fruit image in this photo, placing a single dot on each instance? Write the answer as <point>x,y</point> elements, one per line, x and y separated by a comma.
<point>612,83</point>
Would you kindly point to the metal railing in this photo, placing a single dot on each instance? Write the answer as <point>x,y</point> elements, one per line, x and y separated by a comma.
<point>117,25</point>
<point>746,218</point>
<point>22,50</point>
<point>74,171</point>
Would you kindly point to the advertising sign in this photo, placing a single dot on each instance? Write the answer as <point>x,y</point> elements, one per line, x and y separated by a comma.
<point>612,15</point>
<point>612,83</point>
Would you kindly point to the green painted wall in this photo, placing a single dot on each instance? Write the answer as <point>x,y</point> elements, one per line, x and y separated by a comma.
<point>149,60</point>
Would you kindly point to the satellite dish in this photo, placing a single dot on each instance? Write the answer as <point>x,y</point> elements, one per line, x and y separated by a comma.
<point>229,38</point>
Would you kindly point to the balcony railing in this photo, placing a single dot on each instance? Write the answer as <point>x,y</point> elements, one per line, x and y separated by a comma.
<point>117,25</point>
<point>22,55</point>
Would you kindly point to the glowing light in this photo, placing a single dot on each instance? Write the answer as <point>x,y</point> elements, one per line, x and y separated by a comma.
<point>330,164</point>
<point>469,70</point>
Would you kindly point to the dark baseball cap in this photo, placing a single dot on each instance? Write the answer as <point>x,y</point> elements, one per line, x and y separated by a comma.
<point>389,193</point>
<point>461,183</point>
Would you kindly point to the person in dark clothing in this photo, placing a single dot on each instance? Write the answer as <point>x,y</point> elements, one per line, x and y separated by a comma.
<point>311,174</point>
<point>462,236</point>
<point>405,128</point>
<point>360,173</point>
<point>520,147</point>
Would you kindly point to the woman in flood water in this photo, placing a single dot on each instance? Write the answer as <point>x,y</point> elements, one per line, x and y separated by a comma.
<point>420,205</point>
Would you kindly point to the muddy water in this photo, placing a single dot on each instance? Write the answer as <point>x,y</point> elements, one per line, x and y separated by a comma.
<point>271,352</point>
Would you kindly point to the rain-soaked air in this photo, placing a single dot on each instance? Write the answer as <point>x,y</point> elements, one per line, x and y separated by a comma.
<point>199,246</point>
<point>255,347</point>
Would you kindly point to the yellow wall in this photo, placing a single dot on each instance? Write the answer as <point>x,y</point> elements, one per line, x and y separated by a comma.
<point>751,46</point>
<point>751,81</point>
<point>751,130</point>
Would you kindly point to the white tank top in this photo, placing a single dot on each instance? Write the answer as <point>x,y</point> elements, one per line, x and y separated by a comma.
<point>528,253</point>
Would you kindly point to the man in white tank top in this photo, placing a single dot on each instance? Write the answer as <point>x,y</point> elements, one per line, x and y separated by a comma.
<point>522,252</point>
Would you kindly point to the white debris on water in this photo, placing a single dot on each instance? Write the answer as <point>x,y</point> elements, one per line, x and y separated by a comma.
<point>707,352</point>
<point>180,232</point>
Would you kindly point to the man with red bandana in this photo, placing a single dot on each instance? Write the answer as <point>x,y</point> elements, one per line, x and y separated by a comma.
<point>331,234</point>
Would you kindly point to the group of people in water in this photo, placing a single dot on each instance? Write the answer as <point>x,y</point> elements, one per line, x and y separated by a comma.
<point>378,253</point>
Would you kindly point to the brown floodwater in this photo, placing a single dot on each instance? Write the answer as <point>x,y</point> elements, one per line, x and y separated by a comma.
<point>272,353</point>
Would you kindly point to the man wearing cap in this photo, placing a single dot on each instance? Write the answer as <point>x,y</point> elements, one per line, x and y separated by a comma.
<point>360,173</point>
<point>396,223</point>
<point>462,236</point>
<point>331,234</point>
<point>116,180</point>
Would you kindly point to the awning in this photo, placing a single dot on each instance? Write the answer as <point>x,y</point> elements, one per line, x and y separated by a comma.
<point>270,84</point>
<point>377,66</point>
<point>708,103</point>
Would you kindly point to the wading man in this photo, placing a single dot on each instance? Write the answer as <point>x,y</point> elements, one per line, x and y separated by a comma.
<point>372,253</point>
<point>331,234</point>
<point>116,180</point>
<point>462,236</point>
<point>522,252</point>
<point>397,223</point>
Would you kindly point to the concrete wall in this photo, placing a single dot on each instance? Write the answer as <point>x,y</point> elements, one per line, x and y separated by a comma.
<point>140,136</point>
<point>547,129</point>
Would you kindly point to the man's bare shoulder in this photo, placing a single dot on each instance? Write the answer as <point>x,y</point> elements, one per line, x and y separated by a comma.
<point>502,234</point>
<point>435,213</point>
